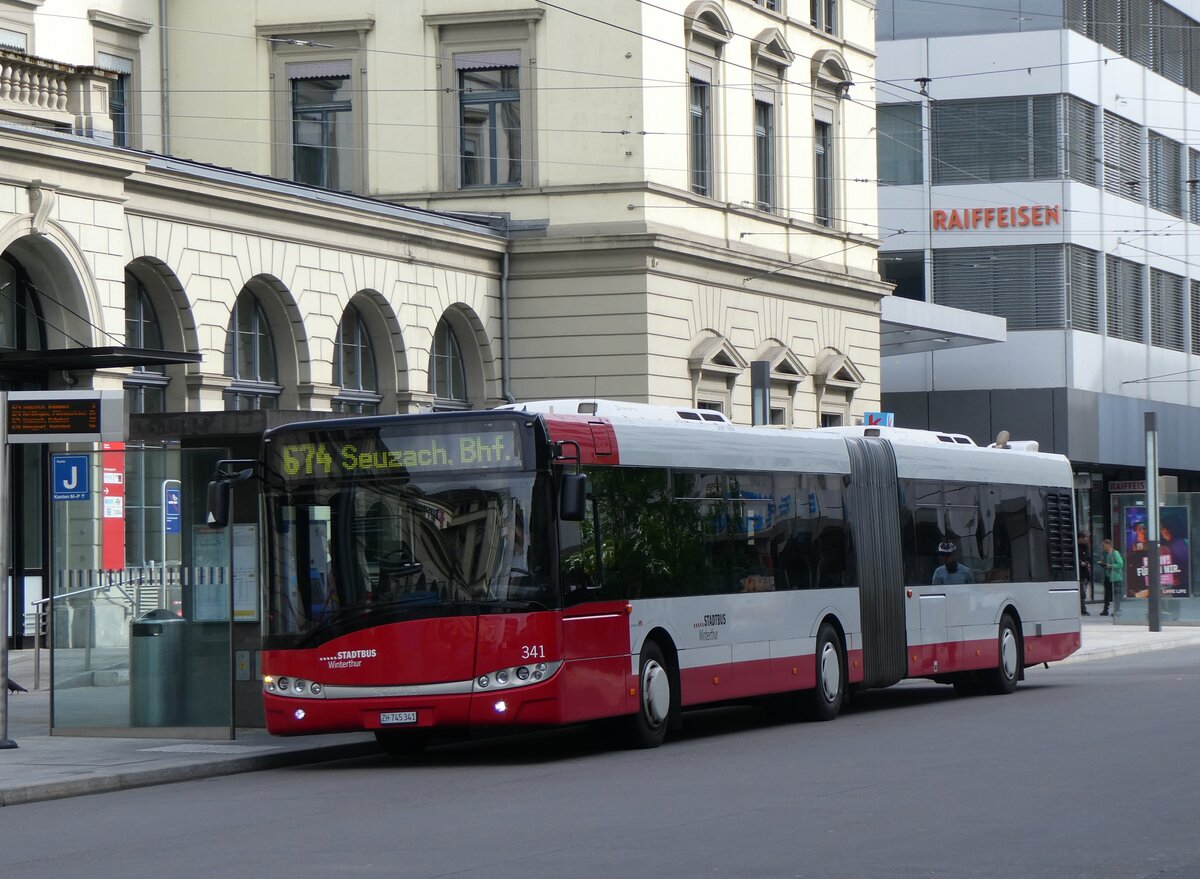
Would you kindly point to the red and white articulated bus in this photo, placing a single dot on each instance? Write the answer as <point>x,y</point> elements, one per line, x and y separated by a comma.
<point>516,567</point>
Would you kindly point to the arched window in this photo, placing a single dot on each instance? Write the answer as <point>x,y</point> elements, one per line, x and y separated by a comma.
<point>250,358</point>
<point>354,367</point>
<point>145,386</point>
<point>21,324</point>
<point>447,378</point>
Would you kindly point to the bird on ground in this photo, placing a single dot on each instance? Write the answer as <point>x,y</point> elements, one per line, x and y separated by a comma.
<point>14,687</point>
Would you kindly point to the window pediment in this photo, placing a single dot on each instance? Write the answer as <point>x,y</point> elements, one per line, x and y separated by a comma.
<point>708,21</point>
<point>715,354</point>
<point>836,370</point>
<point>829,69</point>
<point>785,365</point>
<point>770,47</point>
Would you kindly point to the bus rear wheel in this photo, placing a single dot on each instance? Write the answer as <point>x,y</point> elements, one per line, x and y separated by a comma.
<point>1002,680</point>
<point>824,701</point>
<point>402,743</point>
<point>648,727</point>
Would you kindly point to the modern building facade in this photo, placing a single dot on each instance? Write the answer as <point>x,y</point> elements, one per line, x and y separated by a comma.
<point>1038,163</point>
<point>244,214</point>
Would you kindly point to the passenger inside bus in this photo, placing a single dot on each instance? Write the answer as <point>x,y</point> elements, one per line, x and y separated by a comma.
<point>950,572</point>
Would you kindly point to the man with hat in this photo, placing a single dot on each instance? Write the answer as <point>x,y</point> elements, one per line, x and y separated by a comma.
<point>950,571</point>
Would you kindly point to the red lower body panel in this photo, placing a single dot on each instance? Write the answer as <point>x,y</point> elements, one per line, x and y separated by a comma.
<point>927,660</point>
<point>757,677</point>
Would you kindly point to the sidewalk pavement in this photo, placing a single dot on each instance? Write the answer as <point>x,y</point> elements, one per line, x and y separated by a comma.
<point>45,767</point>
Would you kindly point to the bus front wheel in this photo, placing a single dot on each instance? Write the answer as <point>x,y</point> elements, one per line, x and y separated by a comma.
<point>648,727</point>
<point>824,701</point>
<point>1002,680</point>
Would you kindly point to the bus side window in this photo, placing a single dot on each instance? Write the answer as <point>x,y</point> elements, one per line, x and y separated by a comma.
<point>578,551</point>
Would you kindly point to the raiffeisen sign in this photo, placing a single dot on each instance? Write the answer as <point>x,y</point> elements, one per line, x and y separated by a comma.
<point>1007,217</point>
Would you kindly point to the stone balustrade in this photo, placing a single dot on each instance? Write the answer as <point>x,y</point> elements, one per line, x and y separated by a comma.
<point>43,93</point>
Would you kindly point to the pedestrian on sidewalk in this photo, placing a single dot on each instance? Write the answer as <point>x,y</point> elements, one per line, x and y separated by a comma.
<point>1114,572</point>
<point>1084,551</point>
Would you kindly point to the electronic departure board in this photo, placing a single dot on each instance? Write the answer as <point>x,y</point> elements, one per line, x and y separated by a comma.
<point>64,416</point>
<point>53,416</point>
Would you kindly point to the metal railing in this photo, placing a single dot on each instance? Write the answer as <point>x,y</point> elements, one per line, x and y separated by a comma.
<point>139,590</point>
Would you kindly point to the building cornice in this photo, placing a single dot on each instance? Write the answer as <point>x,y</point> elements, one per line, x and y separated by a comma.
<point>131,26</point>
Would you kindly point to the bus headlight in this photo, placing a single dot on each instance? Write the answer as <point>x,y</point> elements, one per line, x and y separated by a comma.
<point>295,688</point>
<point>517,676</point>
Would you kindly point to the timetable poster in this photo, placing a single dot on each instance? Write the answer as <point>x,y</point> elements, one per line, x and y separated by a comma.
<point>1173,553</point>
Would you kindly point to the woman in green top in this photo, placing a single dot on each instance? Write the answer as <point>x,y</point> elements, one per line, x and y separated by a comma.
<point>1114,573</point>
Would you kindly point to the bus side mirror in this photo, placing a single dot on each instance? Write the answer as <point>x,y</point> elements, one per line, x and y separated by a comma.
<point>572,497</point>
<point>218,504</point>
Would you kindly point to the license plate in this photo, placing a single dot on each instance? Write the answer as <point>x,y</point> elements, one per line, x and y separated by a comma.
<point>389,718</point>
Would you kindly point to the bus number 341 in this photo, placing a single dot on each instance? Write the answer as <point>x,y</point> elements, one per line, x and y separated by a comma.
<point>533,651</point>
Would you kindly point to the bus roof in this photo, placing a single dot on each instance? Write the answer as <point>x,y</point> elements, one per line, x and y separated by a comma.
<point>653,439</point>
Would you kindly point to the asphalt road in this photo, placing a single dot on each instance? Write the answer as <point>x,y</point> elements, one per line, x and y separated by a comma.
<point>1089,770</point>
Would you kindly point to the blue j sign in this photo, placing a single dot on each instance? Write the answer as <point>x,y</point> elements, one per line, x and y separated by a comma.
<point>70,478</point>
<point>171,511</point>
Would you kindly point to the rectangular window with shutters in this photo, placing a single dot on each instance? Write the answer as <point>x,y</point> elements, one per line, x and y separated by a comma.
<point>1079,16</point>
<point>1192,63</point>
<point>823,172</point>
<point>120,95</point>
<point>489,118</point>
<point>1025,285</point>
<point>1166,174</point>
<point>1193,187</point>
<point>899,144</point>
<point>1123,165</point>
<point>1125,297</point>
<point>1111,24</point>
<point>700,135</point>
<point>997,139</point>
<point>1166,310</point>
<point>1083,280</point>
<point>1153,33</point>
<point>1081,140</point>
<point>764,149</point>
<point>1171,38</point>
<point>1142,19</point>
<point>322,116</point>
<point>1195,303</point>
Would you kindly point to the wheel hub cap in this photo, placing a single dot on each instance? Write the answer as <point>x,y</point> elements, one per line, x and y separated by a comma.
<point>656,692</point>
<point>831,673</point>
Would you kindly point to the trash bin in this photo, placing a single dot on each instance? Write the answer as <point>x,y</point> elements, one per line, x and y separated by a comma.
<point>156,689</point>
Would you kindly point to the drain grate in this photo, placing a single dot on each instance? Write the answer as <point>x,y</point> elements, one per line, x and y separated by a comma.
<point>212,749</point>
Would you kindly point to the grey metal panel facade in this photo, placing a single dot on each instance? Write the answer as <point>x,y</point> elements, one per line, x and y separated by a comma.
<point>1087,427</point>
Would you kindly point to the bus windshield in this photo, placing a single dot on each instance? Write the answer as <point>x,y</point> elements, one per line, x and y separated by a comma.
<point>349,549</point>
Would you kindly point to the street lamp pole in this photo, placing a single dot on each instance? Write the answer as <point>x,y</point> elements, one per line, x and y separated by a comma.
<point>1153,615</point>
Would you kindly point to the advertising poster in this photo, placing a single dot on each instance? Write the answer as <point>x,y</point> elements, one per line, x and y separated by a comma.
<point>1173,553</point>
<point>1176,575</point>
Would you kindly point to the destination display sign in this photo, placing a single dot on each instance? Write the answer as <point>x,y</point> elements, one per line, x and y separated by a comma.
<point>53,416</point>
<point>380,453</point>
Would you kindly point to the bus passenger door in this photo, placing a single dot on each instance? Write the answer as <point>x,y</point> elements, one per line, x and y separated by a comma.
<point>595,625</point>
